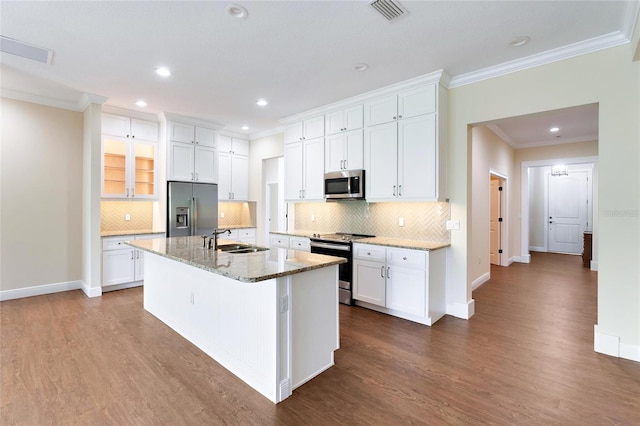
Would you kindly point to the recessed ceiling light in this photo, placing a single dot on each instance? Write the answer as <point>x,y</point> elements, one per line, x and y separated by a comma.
<point>245,127</point>
<point>236,11</point>
<point>520,41</point>
<point>554,129</point>
<point>163,72</point>
<point>261,102</point>
<point>141,103</point>
<point>360,67</point>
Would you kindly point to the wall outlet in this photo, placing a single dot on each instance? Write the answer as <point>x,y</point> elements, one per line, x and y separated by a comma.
<point>313,218</point>
<point>127,216</point>
<point>401,221</point>
<point>222,215</point>
<point>453,225</point>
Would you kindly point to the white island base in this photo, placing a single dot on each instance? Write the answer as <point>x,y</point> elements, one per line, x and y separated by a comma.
<point>274,334</point>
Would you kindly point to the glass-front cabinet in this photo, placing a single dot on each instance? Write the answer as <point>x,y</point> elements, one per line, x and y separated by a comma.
<point>129,166</point>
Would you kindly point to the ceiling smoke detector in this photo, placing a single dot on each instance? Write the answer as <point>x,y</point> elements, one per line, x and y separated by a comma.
<point>389,9</point>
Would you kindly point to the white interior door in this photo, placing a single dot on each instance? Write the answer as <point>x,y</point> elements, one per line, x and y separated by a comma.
<point>567,212</point>
<point>494,222</point>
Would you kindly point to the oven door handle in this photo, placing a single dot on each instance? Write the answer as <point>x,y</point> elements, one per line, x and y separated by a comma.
<point>330,246</point>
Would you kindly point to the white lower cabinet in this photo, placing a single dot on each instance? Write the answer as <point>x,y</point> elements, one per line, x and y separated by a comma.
<point>278,240</point>
<point>243,235</point>
<point>406,283</point>
<point>122,265</point>
<point>300,243</point>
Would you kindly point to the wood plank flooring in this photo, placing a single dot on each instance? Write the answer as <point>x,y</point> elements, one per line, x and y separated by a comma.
<point>525,358</point>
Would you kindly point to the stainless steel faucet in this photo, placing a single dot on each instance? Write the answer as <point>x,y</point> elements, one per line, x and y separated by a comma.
<point>215,234</point>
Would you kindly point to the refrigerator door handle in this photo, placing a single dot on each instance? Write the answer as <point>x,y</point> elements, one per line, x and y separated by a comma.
<point>195,216</point>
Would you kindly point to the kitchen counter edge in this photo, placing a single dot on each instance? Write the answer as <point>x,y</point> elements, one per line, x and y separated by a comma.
<point>294,261</point>
<point>402,243</point>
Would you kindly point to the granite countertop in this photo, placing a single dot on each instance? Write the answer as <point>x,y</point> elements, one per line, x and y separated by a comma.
<point>247,267</point>
<point>237,227</point>
<point>125,233</point>
<point>401,243</point>
<point>304,234</point>
<point>380,241</point>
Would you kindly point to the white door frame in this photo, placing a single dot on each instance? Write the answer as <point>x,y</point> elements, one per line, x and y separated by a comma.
<point>525,256</point>
<point>504,213</point>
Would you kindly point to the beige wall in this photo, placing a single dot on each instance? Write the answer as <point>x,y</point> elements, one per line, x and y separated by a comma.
<point>488,153</point>
<point>610,78</point>
<point>41,193</point>
<point>262,149</point>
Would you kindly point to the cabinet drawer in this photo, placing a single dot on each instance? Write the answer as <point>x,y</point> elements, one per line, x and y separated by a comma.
<point>279,241</point>
<point>115,243</point>
<point>408,258</point>
<point>247,233</point>
<point>299,243</point>
<point>369,252</point>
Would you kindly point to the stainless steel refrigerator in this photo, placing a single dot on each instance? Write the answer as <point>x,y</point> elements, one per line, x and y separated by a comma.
<point>192,208</point>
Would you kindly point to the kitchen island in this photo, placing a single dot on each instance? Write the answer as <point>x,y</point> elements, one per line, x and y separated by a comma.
<point>269,317</point>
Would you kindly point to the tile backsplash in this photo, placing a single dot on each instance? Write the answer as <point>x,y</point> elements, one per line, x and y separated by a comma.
<point>237,214</point>
<point>112,215</point>
<point>422,221</point>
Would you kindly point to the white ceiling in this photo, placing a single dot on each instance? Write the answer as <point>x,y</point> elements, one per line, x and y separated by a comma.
<point>298,55</point>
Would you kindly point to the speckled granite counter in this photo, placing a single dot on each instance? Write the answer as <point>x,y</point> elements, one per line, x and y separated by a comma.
<point>247,267</point>
<point>125,233</point>
<point>305,234</point>
<point>401,243</point>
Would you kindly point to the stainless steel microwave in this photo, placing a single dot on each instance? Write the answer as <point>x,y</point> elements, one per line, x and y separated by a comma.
<point>344,185</point>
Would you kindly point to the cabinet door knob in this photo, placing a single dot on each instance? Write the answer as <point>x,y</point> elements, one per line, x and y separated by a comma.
<point>399,116</point>
<point>395,118</point>
<point>127,135</point>
<point>404,258</point>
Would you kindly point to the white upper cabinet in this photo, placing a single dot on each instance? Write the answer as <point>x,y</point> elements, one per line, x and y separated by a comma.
<point>406,104</point>
<point>233,169</point>
<point>129,157</point>
<point>129,128</point>
<point>192,154</point>
<point>304,170</point>
<point>306,129</point>
<point>343,120</point>
<point>344,151</point>
<point>404,153</point>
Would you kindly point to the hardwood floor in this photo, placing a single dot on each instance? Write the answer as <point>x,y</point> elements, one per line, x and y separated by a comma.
<point>526,357</point>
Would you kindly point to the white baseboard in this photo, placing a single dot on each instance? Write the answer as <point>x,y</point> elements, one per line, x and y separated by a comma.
<point>91,291</point>
<point>521,259</point>
<point>536,248</point>
<point>480,280</point>
<point>39,290</point>
<point>462,310</point>
<point>610,345</point>
<point>594,265</point>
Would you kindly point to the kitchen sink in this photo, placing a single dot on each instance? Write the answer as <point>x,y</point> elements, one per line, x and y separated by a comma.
<point>240,248</point>
<point>230,247</point>
<point>247,250</point>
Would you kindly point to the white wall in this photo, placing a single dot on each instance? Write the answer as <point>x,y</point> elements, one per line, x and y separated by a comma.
<point>41,195</point>
<point>262,148</point>
<point>489,153</point>
<point>610,78</point>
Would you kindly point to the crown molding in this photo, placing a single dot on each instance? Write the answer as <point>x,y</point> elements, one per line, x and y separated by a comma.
<point>588,138</point>
<point>439,76</point>
<point>631,17</point>
<point>169,116</point>
<point>502,135</point>
<point>89,98</point>
<point>546,57</point>
<point>110,109</point>
<point>266,133</point>
<point>42,100</point>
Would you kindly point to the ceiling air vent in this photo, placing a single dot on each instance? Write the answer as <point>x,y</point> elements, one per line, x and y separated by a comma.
<point>25,50</point>
<point>389,9</point>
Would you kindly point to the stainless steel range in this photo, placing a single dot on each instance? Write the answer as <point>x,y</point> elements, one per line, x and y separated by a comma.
<point>339,245</point>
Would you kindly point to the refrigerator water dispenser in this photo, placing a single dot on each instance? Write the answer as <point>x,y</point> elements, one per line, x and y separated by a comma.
<point>182,217</point>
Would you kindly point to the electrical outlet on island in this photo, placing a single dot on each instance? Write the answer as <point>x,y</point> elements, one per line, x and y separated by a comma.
<point>127,216</point>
